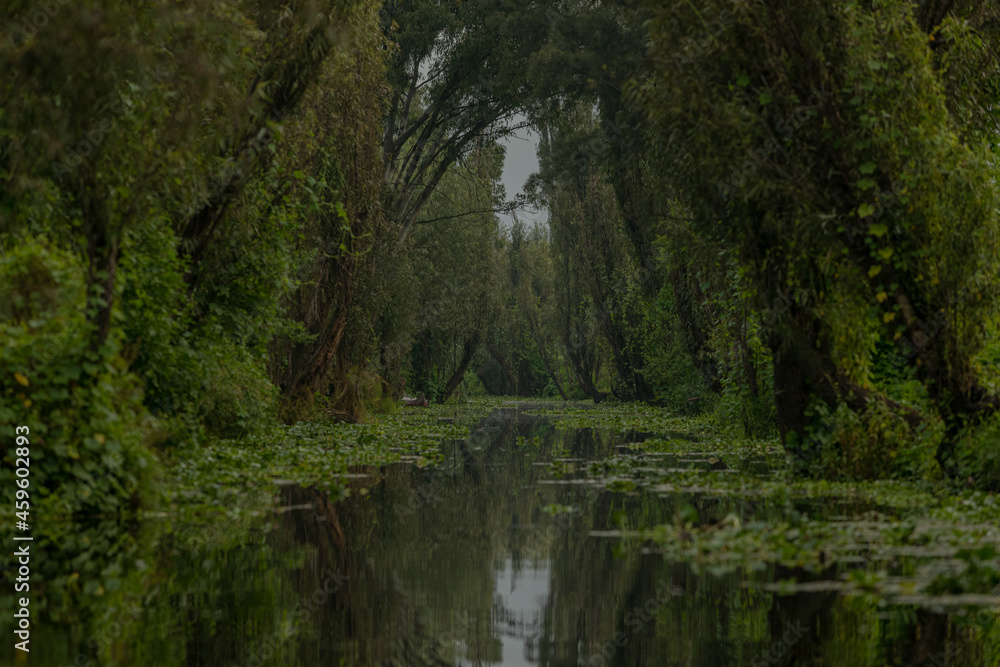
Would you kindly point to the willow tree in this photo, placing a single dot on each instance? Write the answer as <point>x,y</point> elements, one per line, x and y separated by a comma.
<point>456,76</point>
<point>537,301</point>
<point>588,223</point>
<point>334,143</point>
<point>830,147</point>
<point>455,253</point>
<point>579,333</point>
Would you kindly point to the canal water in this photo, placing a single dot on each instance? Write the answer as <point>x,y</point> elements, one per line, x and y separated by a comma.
<point>499,555</point>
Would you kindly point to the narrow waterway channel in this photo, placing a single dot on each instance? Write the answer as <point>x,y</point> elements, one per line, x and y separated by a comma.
<point>502,554</point>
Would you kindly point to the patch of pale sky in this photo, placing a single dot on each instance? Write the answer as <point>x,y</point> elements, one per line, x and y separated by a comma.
<point>520,162</point>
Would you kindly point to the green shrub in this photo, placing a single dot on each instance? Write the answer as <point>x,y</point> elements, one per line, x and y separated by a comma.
<point>354,391</point>
<point>979,455</point>
<point>87,426</point>
<point>897,378</point>
<point>669,368</point>
<point>163,348</point>
<point>238,398</point>
<point>197,380</point>
<point>878,443</point>
<point>744,416</point>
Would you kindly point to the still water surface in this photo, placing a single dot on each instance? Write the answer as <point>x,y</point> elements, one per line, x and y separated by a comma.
<point>491,558</point>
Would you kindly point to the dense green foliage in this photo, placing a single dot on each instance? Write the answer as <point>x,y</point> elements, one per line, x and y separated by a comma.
<point>82,406</point>
<point>169,199</point>
<point>235,235</point>
<point>841,180</point>
<point>216,217</point>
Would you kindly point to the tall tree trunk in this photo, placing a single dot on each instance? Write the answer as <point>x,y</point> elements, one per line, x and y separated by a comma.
<point>791,396</point>
<point>539,338</point>
<point>552,374</point>
<point>629,362</point>
<point>693,332</point>
<point>804,372</point>
<point>583,375</point>
<point>469,350</point>
<point>102,255</point>
<point>508,371</point>
<point>283,83</point>
<point>524,387</point>
<point>311,362</point>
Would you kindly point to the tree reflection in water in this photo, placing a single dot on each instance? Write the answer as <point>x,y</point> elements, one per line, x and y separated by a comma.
<point>459,564</point>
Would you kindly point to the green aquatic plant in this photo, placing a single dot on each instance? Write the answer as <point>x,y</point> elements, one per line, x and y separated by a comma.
<point>888,538</point>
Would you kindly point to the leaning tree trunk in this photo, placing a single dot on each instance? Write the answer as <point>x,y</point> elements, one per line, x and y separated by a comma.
<point>505,366</point>
<point>278,90</point>
<point>552,373</point>
<point>693,333</point>
<point>583,375</point>
<point>313,361</point>
<point>536,333</point>
<point>469,350</point>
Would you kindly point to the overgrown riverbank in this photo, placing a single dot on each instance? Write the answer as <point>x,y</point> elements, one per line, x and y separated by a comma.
<point>743,280</point>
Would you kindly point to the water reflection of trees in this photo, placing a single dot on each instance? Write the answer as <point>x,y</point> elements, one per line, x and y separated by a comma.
<point>421,591</point>
<point>416,564</point>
